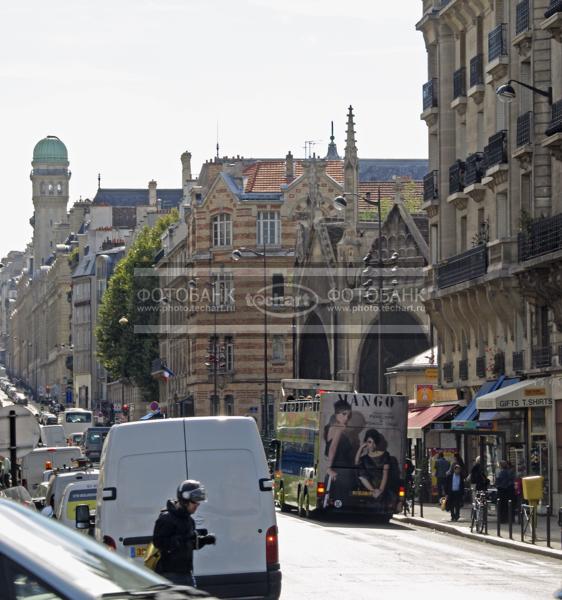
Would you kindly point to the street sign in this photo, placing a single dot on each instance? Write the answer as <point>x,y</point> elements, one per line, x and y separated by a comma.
<point>253,409</point>
<point>27,430</point>
<point>431,373</point>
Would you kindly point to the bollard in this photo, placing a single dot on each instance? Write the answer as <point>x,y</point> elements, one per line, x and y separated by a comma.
<point>498,521</point>
<point>533,523</point>
<point>521,522</point>
<point>421,504</point>
<point>510,518</point>
<point>486,517</point>
<point>548,526</point>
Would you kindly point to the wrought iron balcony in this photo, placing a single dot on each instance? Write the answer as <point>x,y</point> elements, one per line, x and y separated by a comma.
<point>456,177</point>
<point>495,153</point>
<point>524,128</point>
<point>430,94</point>
<point>477,70</point>
<point>499,363</point>
<point>474,169</point>
<point>554,7</point>
<point>518,361</point>
<point>463,267</point>
<point>459,83</point>
<point>497,42</point>
<point>481,366</point>
<point>555,125</point>
<point>430,186</point>
<point>522,17</point>
<point>448,371</point>
<point>463,369</point>
<point>541,357</point>
<point>541,236</point>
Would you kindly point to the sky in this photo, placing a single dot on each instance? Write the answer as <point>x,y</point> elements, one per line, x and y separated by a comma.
<point>128,85</point>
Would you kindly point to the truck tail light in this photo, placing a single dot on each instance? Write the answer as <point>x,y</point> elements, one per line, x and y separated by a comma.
<point>109,542</point>
<point>271,546</point>
<point>402,491</point>
<point>320,488</point>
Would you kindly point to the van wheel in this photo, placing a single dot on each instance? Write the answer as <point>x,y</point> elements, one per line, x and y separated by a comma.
<point>304,507</point>
<point>282,506</point>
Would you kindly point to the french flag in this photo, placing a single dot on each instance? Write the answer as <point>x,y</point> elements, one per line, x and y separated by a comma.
<point>167,372</point>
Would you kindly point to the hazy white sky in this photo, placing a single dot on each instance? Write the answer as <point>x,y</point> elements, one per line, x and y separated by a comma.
<point>128,85</point>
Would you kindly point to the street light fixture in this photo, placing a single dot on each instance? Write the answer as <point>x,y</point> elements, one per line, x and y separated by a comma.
<point>506,92</point>
<point>123,321</point>
<point>340,203</point>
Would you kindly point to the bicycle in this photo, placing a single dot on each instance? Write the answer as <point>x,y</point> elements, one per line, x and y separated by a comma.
<point>478,512</point>
<point>409,499</point>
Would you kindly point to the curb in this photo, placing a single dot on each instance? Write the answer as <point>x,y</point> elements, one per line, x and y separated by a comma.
<point>464,532</point>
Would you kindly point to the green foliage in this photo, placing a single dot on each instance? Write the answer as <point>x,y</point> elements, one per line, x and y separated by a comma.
<point>73,258</point>
<point>123,350</point>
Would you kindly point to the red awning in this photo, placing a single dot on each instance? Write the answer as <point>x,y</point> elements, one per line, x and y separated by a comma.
<point>420,419</point>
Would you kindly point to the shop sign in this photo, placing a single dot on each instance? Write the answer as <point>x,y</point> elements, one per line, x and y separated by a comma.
<point>474,425</point>
<point>505,403</point>
<point>431,373</point>
<point>424,394</point>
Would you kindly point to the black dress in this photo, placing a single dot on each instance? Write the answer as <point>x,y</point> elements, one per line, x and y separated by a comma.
<point>371,468</point>
<point>340,488</point>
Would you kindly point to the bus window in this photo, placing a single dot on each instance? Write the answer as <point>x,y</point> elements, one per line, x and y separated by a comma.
<point>75,417</point>
<point>295,456</point>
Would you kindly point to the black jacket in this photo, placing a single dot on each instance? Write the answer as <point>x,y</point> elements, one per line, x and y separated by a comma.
<point>176,538</point>
<point>449,484</point>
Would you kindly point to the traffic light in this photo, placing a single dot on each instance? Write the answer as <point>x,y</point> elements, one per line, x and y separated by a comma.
<point>125,410</point>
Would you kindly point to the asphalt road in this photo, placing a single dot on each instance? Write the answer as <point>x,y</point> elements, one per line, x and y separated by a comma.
<point>343,560</point>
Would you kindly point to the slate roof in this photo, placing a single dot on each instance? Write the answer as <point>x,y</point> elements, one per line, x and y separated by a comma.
<point>171,198</point>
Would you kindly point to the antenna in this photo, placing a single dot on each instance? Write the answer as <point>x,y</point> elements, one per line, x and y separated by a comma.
<point>217,140</point>
<point>99,180</point>
<point>308,147</point>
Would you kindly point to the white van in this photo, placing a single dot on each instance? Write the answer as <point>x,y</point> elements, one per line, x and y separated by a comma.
<point>143,463</point>
<point>39,459</point>
<point>52,435</point>
<point>76,420</point>
<point>60,479</point>
<point>79,492</point>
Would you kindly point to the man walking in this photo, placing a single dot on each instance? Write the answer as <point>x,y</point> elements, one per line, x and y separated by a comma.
<point>454,487</point>
<point>175,534</point>
<point>442,466</point>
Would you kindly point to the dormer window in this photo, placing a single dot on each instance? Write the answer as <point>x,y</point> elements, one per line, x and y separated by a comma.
<point>268,228</point>
<point>222,230</point>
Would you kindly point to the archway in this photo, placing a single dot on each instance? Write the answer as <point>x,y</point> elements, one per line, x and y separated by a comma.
<point>402,338</point>
<point>314,351</point>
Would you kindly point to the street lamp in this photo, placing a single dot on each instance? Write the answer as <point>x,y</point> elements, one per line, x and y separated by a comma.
<point>506,92</point>
<point>123,321</point>
<point>340,203</point>
<point>236,256</point>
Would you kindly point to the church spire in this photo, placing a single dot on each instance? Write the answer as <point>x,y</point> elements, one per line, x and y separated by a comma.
<point>332,149</point>
<point>350,147</point>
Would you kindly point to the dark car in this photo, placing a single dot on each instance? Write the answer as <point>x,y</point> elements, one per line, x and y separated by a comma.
<point>92,443</point>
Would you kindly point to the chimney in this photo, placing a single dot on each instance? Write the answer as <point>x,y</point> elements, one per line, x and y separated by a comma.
<point>186,166</point>
<point>289,167</point>
<point>152,193</point>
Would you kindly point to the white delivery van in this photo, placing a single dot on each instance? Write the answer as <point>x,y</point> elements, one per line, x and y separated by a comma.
<point>41,459</point>
<point>60,479</point>
<point>76,420</point>
<point>52,435</point>
<point>79,492</point>
<point>142,465</point>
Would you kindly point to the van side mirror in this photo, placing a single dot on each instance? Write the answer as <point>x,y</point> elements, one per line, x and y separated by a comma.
<point>82,515</point>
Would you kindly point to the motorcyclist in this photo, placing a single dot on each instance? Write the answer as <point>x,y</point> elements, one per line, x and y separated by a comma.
<point>175,534</point>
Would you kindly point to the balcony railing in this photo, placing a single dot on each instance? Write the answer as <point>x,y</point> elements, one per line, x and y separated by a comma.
<point>518,361</point>
<point>430,186</point>
<point>481,366</point>
<point>497,42</point>
<point>541,357</point>
<point>495,153</point>
<point>522,17</point>
<point>499,363</point>
<point>524,128</point>
<point>448,371</point>
<point>555,125</point>
<point>474,169</point>
<point>459,83</point>
<point>554,7</point>
<point>456,177</point>
<point>477,70</point>
<point>463,267</point>
<point>542,236</point>
<point>430,94</point>
<point>463,369</point>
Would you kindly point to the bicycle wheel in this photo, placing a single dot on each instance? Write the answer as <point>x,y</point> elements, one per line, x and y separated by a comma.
<point>480,520</point>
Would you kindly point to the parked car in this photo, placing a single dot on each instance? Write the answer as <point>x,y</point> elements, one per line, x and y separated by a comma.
<point>47,418</point>
<point>41,559</point>
<point>92,442</point>
<point>20,495</point>
<point>20,398</point>
<point>75,439</point>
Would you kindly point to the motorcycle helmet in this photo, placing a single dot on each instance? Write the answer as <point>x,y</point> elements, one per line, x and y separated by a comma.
<point>191,490</point>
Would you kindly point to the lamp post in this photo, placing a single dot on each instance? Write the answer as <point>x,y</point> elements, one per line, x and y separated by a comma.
<point>123,321</point>
<point>340,203</point>
<point>236,256</point>
<point>506,93</point>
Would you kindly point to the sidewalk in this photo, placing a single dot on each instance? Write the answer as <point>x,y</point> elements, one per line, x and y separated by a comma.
<point>435,518</point>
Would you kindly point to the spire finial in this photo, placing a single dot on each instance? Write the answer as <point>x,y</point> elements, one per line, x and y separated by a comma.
<point>332,136</point>
<point>332,149</point>
<point>350,147</point>
<point>99,181</point>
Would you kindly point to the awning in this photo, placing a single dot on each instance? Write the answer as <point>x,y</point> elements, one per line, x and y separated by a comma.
<point>529,393</point>
<point>470,411</point>
<point>151,415</point>
<point>420,419</point>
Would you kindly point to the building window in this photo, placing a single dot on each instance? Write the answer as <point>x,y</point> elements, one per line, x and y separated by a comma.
<point>222,230</point>
<point>229,405</point>
<point>51,189</point>
<point>223,289</point>
<point>229,354</point>
<point>278,288</point>
<point>59,188</point>
<point>268,228</point>
<point>278,348</point>
<point>214,405</point>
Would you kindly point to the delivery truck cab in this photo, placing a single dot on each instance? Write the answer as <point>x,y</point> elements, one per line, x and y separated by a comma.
<point>143,463</point>
<point>41,459</point>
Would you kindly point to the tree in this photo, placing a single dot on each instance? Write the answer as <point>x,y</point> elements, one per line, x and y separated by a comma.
<point>127,350</point>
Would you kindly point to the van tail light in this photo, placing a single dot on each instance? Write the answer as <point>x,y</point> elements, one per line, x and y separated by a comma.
<point>320,488</point>
<point>271,547</point>
<point>109,542</point>
<point>402,491</point>
<point>48,465</point>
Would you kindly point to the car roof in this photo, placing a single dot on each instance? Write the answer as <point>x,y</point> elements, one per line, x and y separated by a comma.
<point>53,551</point>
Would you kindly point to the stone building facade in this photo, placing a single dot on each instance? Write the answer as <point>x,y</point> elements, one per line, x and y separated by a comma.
<point>493,195</point>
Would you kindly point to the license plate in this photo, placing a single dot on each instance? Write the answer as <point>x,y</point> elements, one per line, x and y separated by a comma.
<point>140,551</point>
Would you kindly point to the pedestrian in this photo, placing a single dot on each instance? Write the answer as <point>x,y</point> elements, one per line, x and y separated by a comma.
<point>478,476</point>
<point>454,487</point>
<point>441,469</point>
<point>457,460</point>
<point>505,483</point>
<point>175,534</point>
